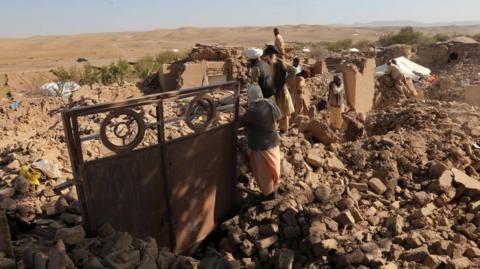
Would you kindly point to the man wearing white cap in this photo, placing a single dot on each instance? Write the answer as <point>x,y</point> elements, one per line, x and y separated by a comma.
<point>261,72</point>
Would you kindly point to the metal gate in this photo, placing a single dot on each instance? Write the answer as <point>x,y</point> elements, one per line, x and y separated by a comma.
<point>5,240</point>
<point>161,165</point>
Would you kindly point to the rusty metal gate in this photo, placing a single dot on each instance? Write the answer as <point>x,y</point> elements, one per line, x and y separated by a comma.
<point>161,165</point>
<point>5,240</point>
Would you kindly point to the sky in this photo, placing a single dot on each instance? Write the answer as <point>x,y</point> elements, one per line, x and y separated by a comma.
<point>22,18</point>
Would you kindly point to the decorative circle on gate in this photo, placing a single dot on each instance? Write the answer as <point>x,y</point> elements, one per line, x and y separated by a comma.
<point>122,130</point>
<point>201,113</point>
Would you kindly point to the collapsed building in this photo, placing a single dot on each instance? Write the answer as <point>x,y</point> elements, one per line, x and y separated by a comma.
<point>403,195</point>
<point>204,65</point>
<point>212,64</point>
<point>439,55</point>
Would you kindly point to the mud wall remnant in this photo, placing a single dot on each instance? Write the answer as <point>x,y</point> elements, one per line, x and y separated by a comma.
<point>392,52</point>
<point>360,85</point>
<point>438,55</point>
<point>319,68</point>
<point>181,75</point>
<point>472,95</point>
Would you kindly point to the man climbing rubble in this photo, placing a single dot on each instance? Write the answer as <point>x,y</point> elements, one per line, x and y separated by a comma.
<point>260,121</point>
<point>402,85</point>
<point>336,102</point>
<point>282,95</point>
<point>296,85</point>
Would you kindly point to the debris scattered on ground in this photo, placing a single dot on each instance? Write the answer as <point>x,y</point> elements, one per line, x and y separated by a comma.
<point>399,189</point>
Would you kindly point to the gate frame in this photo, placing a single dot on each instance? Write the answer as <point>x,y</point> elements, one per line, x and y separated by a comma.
<point>74,140</point>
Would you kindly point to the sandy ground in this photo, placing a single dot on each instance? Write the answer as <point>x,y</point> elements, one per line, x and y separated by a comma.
<point>29,59</point>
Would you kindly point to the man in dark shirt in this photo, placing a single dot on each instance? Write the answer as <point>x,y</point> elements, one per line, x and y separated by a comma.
<point>265,79</point>
<point>260,121</point>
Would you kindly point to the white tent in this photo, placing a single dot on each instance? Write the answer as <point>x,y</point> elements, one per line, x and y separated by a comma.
<point>409,69</point>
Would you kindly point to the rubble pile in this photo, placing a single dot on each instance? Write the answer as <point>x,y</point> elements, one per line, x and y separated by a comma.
<point>403,196</point>
<point>317,87</point>
<point>400,189</point>
<point>452,81</point>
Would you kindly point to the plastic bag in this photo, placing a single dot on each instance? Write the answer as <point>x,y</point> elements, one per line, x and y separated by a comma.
<point>48,168</point>
<point>33,176</point>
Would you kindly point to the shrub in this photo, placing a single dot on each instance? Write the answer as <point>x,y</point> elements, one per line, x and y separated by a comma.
<point>62,74</point>
<point>145,65</point>
<point>440,38</point>
<point>108,74</point>
<point>340,45</point>
<point>90,75</point>
<point>168,56</point>
<point>317,51</point>
<point>476,37</point>
<point>148,64</point>
<point>122,69</point>
<point>75,73</point>
<point>362,44</point>
<point>408,35</point>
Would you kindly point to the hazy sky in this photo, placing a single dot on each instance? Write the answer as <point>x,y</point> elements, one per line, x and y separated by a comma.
<point>47,17</point>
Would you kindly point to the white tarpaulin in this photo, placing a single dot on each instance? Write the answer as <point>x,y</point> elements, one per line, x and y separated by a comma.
<point>409,69</point>
<point>59,89</point>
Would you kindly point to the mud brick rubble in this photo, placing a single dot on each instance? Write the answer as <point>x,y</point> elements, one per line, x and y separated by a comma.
<point>399,189</point>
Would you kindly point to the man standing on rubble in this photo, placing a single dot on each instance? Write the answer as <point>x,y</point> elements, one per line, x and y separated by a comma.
<point>279,43</point>
<point>393,70</point>
<point>400,80</point>
<point>261,72</point>
<point>336,102</point>
<point>260,121</point>
<point>282,95</point>
<point>296,86</point>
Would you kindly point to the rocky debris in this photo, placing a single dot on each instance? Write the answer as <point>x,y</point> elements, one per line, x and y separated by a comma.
<point>322,132</point>
<point>71,236</point>
<point>404,194</point>
<point>377,185</point>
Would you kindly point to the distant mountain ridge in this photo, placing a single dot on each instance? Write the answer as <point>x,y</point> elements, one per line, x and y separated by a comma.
<point>402,23</point>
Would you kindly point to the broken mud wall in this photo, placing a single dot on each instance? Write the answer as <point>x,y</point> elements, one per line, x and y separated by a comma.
<point>360,85</point>
<point>334,64</point>
<point>213,53</point>
<point>436,56</point>
<point>393,52</point>
<point>472,95</point>
<point>181,75</point>
<point>319,68</point>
